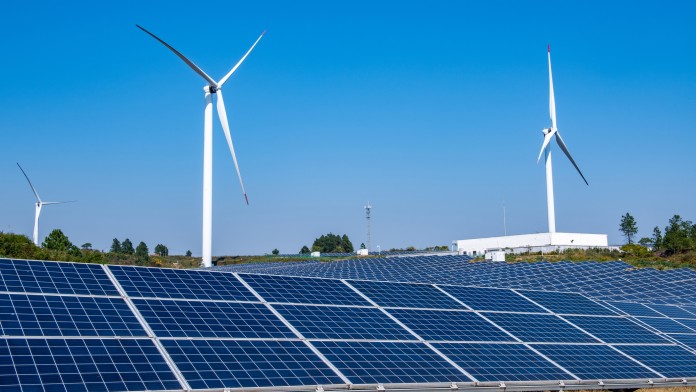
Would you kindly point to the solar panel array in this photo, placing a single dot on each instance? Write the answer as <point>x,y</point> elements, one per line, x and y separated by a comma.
<point>81,327</point>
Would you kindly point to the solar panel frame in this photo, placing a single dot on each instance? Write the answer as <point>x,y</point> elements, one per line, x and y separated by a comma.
<point>211,319</point>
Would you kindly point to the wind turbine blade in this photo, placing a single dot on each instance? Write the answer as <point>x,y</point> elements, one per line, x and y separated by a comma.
<point>563,147</point>
<point>181,56</point>
<point>552,98</point>
<point>223,80</point>
<point>222,114</point>
<point>547,139</point>
<point>29,181</point>
<point>58,202</point>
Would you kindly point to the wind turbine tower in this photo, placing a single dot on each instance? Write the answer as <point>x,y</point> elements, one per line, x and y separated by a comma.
<point>368,207</point>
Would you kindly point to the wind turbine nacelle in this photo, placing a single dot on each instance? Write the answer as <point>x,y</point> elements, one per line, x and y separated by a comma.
<point>210,89</point>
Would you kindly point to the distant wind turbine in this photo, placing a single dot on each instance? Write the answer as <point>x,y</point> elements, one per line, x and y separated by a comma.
<point>546,149</point>
<point>213,87</point>
<point>39,205</point>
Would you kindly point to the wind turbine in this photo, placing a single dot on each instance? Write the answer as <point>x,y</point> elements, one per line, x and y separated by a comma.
<point>211,88</point>
<point>546,150</point>
<point>39,205</point>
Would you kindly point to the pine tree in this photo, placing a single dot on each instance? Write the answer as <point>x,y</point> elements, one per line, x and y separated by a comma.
<point>127,247</point>
<point>116,246</point>
<point>628,227</point>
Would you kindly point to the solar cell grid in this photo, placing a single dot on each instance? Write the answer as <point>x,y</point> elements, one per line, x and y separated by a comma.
<point>592,362</point>
<point>303,290</point>
<point>24,276</point>
<point>690,323</point>
<point>83,365</point>
<point>501,362</point>
<point>673,311</point>
<point>480,298</point>
<point>333,322</point>
<point>635,309</point>
<point>247,364</point>
<point>450,325</point>
<point>688,340</point>
<point>539,328</point>
<point>566,303</point>
<point>175,283</point>
<point>670,361</point>
<point>58,315</point>
<point>665,325</point>
<point>179,318</point>
<point>615,329</point>
<point>388,362</point>
<point>406,295</point>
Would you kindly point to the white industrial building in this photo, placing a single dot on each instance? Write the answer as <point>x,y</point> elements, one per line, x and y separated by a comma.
<point>539,242</point>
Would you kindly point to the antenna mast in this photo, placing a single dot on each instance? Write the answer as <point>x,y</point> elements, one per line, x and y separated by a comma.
<point>368,207</point>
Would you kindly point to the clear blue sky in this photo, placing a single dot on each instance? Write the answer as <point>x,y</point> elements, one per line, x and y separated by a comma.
<point>432,111</point>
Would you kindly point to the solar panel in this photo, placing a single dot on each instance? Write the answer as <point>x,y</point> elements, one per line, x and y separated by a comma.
<point>665,325</point>
<point>615,329</point>
<point>24,276</point>
<point>388,362</point>
<point>334,322</point>
<point>688,340</point>
<point>691,323</point>
<point>303,290</point>
<point>673,311</point>
<point>480,298</point>
<point>83,365</point>
<point>247,364</point>
<point>178,318</point>
<point>592,362</point>
<point>635,309</point>
<point>670,361</point>
<point>450,325</point>
<point>539,328</point>
<point>566,303</point>
<point>406,295</point>
<point>501,362</point>
<point>175,283</point>
<point>59,315</point>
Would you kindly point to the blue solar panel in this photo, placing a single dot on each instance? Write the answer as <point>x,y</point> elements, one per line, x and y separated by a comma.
<point>177,318</point>
<point>566,303</point>
<point>665,325</point>
<point>592,362</point>
<point>673,311</point>
<point>688,340</point>
<point>503,300</point>
<point>670,361</point>
<point>539,328</point>
<point>615,329</point>
<point>406,295</point>
<point>24,276</point>
<point>387,362</point>
<point>303,290</point>
<point>450,325</point>
<point>175,283</point>
<point>501,362</point>
<point>83,365</point>
<point>635,309</point>
<point>246,364</point>
<point>691,323</point>
<point>59,315</point>
<point>334,322</point>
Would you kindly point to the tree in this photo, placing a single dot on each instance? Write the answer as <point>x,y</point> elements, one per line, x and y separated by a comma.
<point>362,245</point>
<point>677,236</point>
<point>332,243</point>
<point>127,247</point>
<point>56,240</point>
<point>657,238</point>
<point>275,252</point>
<point>141,252</point>
<point>161,250</point>
<point>346,244</point>
<point>647,242</point>
<point>628,227</point>
<point>188,253</point>
<point>87,246</point>
<point>305,250</point>
<point>116,246</point>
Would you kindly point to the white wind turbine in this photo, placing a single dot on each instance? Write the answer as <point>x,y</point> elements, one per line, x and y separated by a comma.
<point>546,149</point>
<point>39,205</point>
<point>213,87</point>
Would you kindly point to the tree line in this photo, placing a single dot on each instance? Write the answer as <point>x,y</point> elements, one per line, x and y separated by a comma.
<point>678,236</point>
